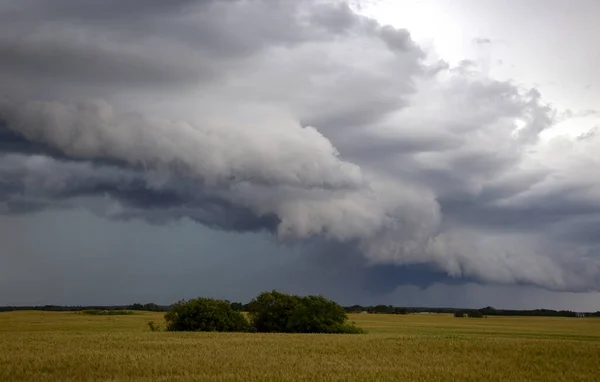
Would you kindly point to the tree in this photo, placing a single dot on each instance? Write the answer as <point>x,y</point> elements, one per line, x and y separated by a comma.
<point>316,314</point>
<point>237,306</point>
<point>475,314</point>
<point>205,314</point>
<point>270,311</point>
<point>468,313</point>
<point>459,313</point>
<point>488,311</point>
<point>386,309</point>
<point>279,312</point>
<point>151,307</point>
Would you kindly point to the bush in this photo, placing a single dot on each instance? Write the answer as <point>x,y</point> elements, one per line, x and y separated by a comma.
<point>205,315</point>
<point>347,328</point>
<point>153,327</point>
<point>280,312</point>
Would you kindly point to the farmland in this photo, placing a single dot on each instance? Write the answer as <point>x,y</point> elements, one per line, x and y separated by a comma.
<point>69,346</point>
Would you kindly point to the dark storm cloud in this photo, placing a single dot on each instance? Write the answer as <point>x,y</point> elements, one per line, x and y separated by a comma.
<point>75,62</point>
<point>344,272</point>
<point>302,119</point>
<point>11,141</point>
<point>33,183</point>
<point>90,10</point>
<point>385,279</point>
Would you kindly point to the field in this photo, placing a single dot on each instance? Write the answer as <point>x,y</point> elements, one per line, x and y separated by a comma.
<point>49,346</point>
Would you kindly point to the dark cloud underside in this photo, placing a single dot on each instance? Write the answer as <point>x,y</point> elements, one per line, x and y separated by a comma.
<point>303,121</point>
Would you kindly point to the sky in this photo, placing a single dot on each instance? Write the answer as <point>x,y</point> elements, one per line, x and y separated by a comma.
<point>415,153</point>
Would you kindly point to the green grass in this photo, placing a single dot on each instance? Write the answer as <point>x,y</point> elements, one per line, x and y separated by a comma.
<point>49,346</point>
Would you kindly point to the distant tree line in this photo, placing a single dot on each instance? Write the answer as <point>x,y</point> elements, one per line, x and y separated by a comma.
<point>77,308</point>
<point>490,311</point>
<point>151,307</point>
<point>374,309</point>
<point>95,312</point>
<point>487,311</point>
<point>381,309</point>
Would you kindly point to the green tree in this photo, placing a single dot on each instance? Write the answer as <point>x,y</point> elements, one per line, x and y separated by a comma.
<point>237,306</point>
<point>475,314</point>
<point>279,312</point>
<point>488,311</point>
<point>270,311</point>
<point>316,314</point>
<point>151,307</point>
<point>459,313</point>
<point>205,314</point>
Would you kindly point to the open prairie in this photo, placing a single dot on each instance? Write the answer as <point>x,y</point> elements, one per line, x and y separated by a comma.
<point>49,346</point>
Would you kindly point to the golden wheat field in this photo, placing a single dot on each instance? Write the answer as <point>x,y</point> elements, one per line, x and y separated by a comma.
<point>49,346</point>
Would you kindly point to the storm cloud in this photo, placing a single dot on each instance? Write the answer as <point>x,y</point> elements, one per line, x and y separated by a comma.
<point>303,119</point>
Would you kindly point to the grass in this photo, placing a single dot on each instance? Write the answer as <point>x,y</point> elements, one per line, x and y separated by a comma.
<point>50,346</point>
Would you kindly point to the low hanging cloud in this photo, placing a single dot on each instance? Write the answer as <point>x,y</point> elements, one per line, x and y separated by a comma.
<point>303,119</point>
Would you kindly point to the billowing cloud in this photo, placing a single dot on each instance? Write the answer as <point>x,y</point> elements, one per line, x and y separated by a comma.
<point>302,119</point>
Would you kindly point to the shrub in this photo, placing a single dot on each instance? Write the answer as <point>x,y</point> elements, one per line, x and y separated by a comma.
<point>205,315</point>
<point>280,312</point>
<point>153,327</point>
<point>347,328</point>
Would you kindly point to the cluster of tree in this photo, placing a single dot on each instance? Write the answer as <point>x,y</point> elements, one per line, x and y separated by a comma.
<point>468,313</point>
<point>269,312</point>
<point>205,315</point>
